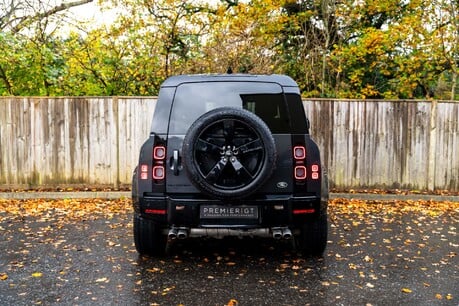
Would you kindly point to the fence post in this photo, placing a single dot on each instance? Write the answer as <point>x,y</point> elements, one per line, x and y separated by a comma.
<point>116,184</point>
<point>432,146</point>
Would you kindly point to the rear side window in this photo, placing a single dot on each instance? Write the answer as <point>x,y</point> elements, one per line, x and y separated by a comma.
<point>299,124</point>
<point>271,108</point>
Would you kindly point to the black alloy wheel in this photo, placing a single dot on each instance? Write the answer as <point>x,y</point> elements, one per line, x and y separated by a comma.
<point>229,152</point>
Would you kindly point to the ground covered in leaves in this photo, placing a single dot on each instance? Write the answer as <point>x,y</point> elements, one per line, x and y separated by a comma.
<point>81,252</point>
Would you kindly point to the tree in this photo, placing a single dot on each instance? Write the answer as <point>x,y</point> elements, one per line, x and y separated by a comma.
<point>29,63</point>
<point>243,38</point>
<point>308,37</point>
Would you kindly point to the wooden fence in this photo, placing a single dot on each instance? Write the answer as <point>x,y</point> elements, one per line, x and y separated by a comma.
<point>95,141</point>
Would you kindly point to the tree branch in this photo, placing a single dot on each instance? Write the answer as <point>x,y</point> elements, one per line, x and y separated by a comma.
<point>27,20</point>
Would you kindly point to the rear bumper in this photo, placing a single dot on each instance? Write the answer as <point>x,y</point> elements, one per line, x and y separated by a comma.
<point>271,211</point>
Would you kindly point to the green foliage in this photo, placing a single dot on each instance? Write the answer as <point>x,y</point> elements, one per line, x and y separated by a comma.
<point>347,49</point>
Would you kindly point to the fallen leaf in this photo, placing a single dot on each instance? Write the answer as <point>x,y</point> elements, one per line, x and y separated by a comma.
<point>101,280</point>
<point>3,276</point>
<point>37,274</point>
<point>232,302</point>
<point>406,290</point>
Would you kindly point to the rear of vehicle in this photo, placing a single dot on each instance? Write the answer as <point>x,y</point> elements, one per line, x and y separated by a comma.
<point>229,155</point>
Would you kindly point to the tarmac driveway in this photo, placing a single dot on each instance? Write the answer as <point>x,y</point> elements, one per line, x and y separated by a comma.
<point>80,252</point>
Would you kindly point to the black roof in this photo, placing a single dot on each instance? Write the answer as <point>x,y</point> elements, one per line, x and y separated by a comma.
<point>282,80</point>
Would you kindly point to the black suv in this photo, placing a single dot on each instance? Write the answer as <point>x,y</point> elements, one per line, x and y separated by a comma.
<point>229,155</point>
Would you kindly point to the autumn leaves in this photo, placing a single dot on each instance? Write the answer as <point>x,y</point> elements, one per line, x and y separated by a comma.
<point>400,252</point>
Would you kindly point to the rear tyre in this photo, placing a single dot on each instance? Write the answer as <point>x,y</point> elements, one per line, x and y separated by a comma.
<point>312,239</point>
<point>229,153</point>
<point>148,238</point>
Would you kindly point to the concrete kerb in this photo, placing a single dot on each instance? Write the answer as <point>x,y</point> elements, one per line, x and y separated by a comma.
<point>111,195</point>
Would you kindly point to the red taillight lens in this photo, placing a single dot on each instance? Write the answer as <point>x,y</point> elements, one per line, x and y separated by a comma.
<point>159,153</point>
<point>300,172</point>
<point>158,172</point>
<point>143,172</point>
<point>315,172</point>
<point>303,211</point>
<point>299,152</point>
<point>155,211</point>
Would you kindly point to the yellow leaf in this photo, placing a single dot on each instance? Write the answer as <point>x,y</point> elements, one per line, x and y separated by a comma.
<point>233,302</point>
<point>449,296</point>
<point>438,296</point>
<point>37,274</point>
<point>406,290</point>
<point>3,276</point>
<point>101,280</point>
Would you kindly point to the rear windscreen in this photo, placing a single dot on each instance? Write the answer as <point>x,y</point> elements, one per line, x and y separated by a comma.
<point>266,100</point>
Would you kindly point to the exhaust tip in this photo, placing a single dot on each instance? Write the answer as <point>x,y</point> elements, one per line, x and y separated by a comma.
<point>172,234</point>
<point>286,233</point>
<point>182,234</point>
<point>277,233</point>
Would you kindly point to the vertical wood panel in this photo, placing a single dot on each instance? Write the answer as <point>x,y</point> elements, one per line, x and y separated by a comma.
<point>387,143</point>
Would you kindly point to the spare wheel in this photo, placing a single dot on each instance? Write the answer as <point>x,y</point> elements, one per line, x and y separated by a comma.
<point>229,153</point>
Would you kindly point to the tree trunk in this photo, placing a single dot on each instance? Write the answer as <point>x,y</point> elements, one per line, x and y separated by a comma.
<point>453,85</point>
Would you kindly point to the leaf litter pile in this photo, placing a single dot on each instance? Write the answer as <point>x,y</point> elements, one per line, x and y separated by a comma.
<point>68,208</point>
<point>404,251</point>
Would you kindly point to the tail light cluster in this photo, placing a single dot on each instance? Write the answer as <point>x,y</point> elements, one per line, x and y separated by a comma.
<point>301,170</point>
<point>158,171</point>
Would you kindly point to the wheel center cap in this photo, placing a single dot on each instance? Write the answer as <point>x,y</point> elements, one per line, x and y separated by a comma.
<point>229,151</point>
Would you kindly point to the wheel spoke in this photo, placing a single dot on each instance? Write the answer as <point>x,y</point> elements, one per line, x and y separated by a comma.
<point>216,171</point>
<point>207,147</point>
<point>228,131</point>
<point>252,146</point>
<point>238,167</point>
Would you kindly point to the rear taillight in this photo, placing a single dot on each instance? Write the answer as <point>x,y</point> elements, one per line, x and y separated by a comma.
<point>158,170</point>
<point>159,153</point>
<point>301,170</point>
<point>299,155</point>
<point>143,172</point>
<point>315,172</point>
<point>299,152</point>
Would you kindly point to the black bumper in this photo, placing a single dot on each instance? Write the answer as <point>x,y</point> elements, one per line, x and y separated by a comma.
<point>190,212</point>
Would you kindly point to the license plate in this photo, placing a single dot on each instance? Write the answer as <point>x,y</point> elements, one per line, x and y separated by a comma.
<point>230,212</point>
